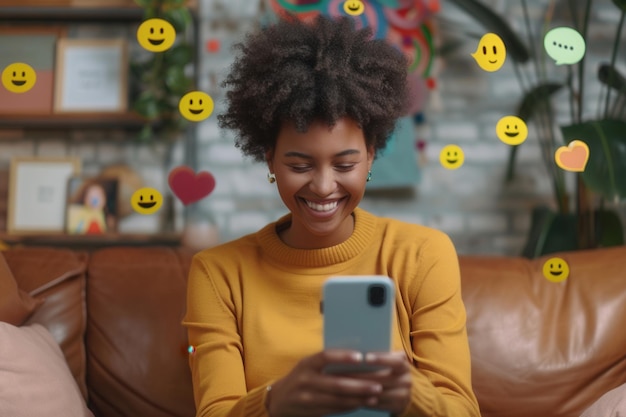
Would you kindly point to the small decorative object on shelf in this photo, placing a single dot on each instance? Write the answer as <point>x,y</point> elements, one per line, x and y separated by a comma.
<point>91,205</point>
<point>37,193</point>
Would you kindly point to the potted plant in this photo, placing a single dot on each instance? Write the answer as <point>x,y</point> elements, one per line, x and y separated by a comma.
<point>160,79</point>
<point>587,224</point>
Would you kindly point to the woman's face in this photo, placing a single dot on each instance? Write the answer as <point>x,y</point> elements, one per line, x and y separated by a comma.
<point>321,176</point>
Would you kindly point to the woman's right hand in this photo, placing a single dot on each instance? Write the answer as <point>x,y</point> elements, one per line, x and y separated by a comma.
<point>309,392</point>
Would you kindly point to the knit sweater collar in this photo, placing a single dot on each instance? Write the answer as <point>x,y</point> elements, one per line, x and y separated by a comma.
<point>279,252</point>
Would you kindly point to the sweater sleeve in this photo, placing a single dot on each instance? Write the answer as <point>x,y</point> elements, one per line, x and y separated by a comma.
<point>441,373</point>
<point>216,365</point>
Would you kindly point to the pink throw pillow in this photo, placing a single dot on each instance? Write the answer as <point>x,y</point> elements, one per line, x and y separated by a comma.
<point>611,404</point>
<point>34,377</point>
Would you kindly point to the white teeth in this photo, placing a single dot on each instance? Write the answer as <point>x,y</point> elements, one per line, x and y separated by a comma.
<point>322,207</point>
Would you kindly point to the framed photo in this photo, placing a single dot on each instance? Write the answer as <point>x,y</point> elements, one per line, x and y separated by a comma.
<point>37,194</point>
<point>33,46</point>
<point>92,206</point>
<point>91,76</point>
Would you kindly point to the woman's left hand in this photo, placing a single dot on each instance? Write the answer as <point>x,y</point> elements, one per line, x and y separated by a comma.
<point>395,378</point>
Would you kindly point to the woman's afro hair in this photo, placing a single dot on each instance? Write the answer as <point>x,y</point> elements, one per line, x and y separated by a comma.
<point>322,70</point>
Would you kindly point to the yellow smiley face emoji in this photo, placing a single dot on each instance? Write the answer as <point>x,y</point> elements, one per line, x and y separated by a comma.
<point>146,200</point>
<point>353,7</point>
<point>451,157</point>
<point>511,130</point>
<point>196,106</point>
<point>19,77</point>
<point>556,270</point>
<point>490,53</point>
<point>156,35</point>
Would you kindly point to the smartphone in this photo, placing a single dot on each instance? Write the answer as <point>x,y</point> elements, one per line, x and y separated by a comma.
<point>357,315</point>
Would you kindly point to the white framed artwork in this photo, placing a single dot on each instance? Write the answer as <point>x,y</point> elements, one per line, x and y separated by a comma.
<point>38,192</point>
<point>91,75</point>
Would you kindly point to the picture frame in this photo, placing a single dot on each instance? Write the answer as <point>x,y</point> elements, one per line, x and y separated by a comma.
<point>35,46</point>
<point>37,194</point>
<point>91,76</point>
<point>91,205</point>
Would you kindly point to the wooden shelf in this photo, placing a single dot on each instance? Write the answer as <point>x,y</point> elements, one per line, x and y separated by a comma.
<point>72,121</point>
<point>92,241</point>
<point>70,14</point>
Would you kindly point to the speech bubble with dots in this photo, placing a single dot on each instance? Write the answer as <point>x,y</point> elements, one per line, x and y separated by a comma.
<point>565,45</point>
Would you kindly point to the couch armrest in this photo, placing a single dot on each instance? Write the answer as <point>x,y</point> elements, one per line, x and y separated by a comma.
<point>57,276</point>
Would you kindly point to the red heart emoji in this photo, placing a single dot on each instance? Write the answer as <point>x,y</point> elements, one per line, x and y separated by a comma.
<point>190,187</point>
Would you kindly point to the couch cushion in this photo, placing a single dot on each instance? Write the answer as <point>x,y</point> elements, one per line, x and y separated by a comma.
<point>57,276</point>
<point>16,305</point>
<point>540,347</point>
<point>611,404</point>
<point>35,378</point>
<point>137,358</point>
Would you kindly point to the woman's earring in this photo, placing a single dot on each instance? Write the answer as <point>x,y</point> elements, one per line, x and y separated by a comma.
<point>271,177</point>
<point>369,176</point>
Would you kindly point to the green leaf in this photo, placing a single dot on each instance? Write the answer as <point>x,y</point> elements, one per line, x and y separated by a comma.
<point>609,228</point>
<point>180,54</point>
<point>179,17</point>
<point>143,3</point>
<point>610,76</point>
<point>150,12</point>
<point>605,172</point>
<point>146,133</point>
<point>621,4</point>
<point>536,98</point>
<point>147,105</point>
<point>550,232</point>
<point>515,48</point>
<point>176,80</point>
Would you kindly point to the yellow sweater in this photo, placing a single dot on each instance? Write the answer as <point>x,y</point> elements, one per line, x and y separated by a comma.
<point>253,313</point>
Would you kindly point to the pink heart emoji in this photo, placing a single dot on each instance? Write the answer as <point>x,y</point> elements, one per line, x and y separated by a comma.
<point>190,187</point>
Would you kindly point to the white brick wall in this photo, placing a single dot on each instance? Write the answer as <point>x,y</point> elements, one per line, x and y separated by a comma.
<point>472,204</point>
<point>481,213</point>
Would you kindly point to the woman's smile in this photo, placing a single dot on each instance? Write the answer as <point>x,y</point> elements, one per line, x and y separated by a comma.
<point>321,176</point>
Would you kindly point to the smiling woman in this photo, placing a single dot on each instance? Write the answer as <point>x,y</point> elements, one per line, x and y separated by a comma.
<point>321,179</point>
<point>315,102</point>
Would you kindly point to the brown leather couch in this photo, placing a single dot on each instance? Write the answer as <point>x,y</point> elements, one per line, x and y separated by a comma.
<point>539,348</point>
